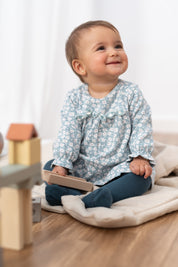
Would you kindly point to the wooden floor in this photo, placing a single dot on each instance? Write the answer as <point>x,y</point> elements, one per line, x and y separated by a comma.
<point>61,241</point>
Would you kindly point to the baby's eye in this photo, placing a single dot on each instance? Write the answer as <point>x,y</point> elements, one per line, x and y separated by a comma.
<point>100,48</point>
<point>118,46</point>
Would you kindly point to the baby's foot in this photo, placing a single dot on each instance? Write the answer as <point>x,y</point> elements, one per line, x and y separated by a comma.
<point>99,198</point>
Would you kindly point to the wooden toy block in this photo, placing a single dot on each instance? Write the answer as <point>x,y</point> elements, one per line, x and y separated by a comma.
<point>21,131</point>
<point>36,209</point>
<point>1,258</point>
<point>20,176</point>
<point>24,145</point>
<point>69,181</point>
<point>0,217</point>
<point>27,217</point>
<point>16,214</point>
<point>1,142</point>
<point>24,152</point>
<point>16,182</point>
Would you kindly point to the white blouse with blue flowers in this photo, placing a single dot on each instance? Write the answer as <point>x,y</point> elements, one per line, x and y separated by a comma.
<point>99,137</point>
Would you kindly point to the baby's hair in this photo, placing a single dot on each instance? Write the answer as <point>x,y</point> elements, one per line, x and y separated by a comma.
<point>74,38</point>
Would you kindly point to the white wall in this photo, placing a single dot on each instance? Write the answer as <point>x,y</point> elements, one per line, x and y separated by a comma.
<point>150,33</point>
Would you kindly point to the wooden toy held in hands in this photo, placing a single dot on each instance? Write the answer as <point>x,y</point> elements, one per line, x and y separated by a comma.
<point>68,181</point>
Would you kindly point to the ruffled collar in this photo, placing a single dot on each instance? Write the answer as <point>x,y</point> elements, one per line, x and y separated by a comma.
<point>110,94</point>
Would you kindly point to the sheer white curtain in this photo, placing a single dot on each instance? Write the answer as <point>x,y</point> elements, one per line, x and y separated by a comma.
<point>34,74</point>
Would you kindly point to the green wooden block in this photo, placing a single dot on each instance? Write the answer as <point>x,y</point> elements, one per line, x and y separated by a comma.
<point>20,176</point>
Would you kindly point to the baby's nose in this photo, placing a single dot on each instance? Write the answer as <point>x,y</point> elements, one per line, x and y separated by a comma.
<point>113,52</point>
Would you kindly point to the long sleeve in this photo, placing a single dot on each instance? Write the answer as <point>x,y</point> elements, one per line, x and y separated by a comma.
<point>141,141</point>
<point>99,137</point>
<point>66,147</point>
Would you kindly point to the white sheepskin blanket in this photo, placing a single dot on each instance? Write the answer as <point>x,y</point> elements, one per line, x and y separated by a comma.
<point>162,199</point>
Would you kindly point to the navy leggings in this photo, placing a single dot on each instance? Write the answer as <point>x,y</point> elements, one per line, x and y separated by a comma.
<point>124,186</point>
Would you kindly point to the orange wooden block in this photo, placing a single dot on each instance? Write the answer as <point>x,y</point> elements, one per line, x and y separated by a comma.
<point>24,145</point>
<point>21,132</point>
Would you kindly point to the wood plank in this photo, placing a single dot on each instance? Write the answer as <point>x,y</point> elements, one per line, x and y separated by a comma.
<point>60,240</point>
<point>67,180</point>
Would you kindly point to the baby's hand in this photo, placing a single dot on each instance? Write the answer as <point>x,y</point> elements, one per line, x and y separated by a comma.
<point>60,170</point>
<point>141,166</point>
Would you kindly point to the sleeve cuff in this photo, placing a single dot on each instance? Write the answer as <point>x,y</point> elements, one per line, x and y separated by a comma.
<point>145,156</point>
<point>63,163</point>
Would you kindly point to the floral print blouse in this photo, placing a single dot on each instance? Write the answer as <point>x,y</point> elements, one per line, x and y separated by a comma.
<point>99,137</point>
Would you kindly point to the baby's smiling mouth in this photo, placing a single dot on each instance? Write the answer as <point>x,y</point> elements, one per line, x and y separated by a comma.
<point>113,62</point>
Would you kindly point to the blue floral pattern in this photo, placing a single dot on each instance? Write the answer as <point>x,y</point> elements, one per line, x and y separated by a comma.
<point>99,137</point>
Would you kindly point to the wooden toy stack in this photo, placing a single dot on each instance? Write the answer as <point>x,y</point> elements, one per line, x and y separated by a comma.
<point>16,182</point>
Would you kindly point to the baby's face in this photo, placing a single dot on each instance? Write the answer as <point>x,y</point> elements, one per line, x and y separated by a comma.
<point>101,54</point>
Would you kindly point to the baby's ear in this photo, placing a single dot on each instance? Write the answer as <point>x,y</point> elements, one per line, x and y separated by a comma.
<point>78,67</point>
